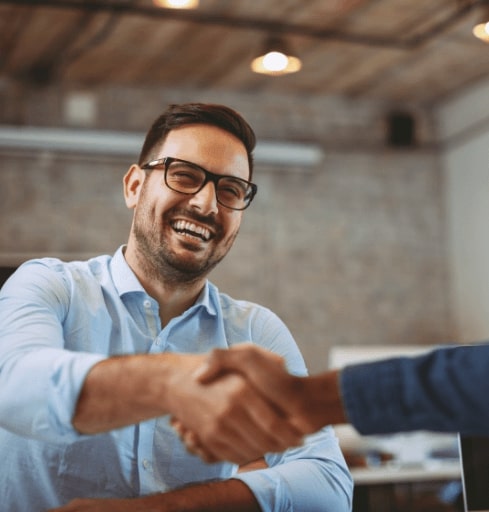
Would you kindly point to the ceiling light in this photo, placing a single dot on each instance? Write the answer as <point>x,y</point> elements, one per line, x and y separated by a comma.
<point>177,4</point>
<point>481,30</point>
<point>276,59</point>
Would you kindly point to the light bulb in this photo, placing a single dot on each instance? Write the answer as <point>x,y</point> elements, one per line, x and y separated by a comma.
<point>275,61</point>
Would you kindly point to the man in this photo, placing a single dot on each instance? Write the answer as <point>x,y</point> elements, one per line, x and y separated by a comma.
<point>444,390</point>
<point>93,363</point>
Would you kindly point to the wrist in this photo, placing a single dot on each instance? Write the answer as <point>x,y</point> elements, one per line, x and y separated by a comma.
<point>321,402</point>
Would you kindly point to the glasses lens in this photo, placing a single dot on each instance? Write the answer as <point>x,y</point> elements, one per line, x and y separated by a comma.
<point>233,192</point>
<point>186,178</point>
<point>183,177</point>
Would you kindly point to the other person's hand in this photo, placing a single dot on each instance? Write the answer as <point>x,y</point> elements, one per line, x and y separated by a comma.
<point>309,403</point>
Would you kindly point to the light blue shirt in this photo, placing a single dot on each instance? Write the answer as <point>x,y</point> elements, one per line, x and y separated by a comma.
<point>57,320</point>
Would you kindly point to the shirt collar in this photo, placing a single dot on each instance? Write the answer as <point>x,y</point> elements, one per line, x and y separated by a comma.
<point>208,298</point>
<point>126,281</point>
<point>123,277</point>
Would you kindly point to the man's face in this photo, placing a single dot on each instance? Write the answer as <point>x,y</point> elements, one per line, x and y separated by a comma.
<point>183,237</point>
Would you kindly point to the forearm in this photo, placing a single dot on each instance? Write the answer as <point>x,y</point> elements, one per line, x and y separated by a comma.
<point>125,390</point>
<point>226,496</point>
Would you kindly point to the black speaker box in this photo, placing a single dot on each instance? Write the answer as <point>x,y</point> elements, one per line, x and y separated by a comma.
<point>400,129</point>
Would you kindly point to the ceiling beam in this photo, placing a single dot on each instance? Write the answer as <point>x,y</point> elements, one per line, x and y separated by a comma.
<point>255,24</point>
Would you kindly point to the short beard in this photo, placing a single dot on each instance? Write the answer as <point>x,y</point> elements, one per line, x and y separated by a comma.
<point>164,265</point>
<point>159,261</point>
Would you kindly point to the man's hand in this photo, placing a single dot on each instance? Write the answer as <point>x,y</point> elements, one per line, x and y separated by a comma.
<point>228,419</point>
<point>229,416</point>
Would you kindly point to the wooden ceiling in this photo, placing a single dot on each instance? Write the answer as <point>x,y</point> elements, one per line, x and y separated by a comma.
<point>415,51</point>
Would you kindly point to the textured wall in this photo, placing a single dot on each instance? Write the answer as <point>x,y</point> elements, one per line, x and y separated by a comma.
<point>351,252</point>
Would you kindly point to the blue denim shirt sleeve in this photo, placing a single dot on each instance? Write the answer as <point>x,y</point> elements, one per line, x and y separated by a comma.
<point>39,380</point>
<point>445,390</point>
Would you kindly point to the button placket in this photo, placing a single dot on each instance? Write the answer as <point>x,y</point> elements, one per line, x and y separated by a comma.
<point>145,456</point>
<point>152,319</point>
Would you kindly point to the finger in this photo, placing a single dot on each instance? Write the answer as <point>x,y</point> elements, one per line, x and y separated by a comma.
<point>194,446</point>
<point>248,432</point>
<point>177,425</point>
<point>268,431</point>
<point>212,368</point>
<point>220,361</point>
<point>192,441</point>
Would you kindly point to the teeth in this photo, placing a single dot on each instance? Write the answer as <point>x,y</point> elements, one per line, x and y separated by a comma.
<point>193,229</point>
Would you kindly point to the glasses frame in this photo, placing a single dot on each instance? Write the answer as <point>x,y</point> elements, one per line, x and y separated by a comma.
<point>209,176</point>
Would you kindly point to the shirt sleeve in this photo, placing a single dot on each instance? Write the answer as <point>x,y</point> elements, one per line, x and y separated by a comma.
<point>311,477</point>
<point>445,390</point>
<point>39,379</point>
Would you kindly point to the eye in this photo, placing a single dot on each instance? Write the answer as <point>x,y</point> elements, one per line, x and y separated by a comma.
<point>232,188</point>
<point>184,175</point>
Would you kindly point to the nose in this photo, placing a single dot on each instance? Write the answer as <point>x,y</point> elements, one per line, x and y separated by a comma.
<point>205,200</point>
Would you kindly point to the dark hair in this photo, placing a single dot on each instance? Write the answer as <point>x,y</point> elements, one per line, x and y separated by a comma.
<point>184,114</point>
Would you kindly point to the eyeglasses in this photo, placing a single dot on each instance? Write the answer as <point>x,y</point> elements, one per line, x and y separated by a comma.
<point>189,178</point>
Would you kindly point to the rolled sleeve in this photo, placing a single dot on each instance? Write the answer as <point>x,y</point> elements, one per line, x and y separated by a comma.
<point>313,477</point>
<point>39,392</point>
<point>40,380</point>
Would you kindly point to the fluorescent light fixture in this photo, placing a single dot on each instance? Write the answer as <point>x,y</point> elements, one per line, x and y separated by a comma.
<point>129,144</point>
<point>80,141</point>
<point>288,154</point>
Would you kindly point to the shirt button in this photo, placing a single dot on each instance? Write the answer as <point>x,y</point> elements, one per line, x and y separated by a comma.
<point>146,464</point>
<point>147,303</point>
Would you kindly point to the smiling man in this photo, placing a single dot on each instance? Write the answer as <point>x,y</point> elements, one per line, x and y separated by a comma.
<point>97,356</point>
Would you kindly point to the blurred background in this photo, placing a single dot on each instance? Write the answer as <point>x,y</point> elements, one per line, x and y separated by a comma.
<point>372,118</point>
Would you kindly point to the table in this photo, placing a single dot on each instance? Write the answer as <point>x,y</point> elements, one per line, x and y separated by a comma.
<point>376,486</point>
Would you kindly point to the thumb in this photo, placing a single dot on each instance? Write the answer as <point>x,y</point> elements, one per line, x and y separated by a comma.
<point>212,368</point>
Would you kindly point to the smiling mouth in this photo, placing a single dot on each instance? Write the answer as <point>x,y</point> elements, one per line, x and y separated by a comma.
<point>187,228</point>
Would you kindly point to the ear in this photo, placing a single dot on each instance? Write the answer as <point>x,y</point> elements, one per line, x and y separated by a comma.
<point>133,181</point>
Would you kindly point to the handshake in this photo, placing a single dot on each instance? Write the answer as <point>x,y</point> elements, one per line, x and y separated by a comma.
<point>242,403</point>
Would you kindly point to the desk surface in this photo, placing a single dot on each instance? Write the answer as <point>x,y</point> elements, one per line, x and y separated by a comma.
<point>428,472</point>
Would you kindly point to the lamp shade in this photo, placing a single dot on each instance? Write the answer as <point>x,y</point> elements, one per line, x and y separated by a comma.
<point>177,4</point>
<point>481,29</point>
<point>276,59</point>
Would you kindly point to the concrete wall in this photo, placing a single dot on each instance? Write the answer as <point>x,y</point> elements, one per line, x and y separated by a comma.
<point>464,127</point>
<point>351,251</point>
